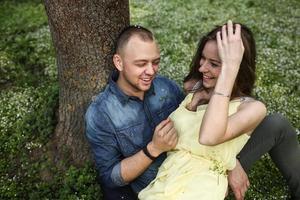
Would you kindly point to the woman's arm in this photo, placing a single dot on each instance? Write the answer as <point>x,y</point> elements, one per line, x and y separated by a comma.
<point>216,126</point>
<point>248,116</point>
<point>222,127</point>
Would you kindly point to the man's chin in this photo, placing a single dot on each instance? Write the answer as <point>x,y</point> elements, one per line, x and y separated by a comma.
<point>145,87</point>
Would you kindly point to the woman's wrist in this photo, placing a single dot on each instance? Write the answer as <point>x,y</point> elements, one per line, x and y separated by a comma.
<point>221,94</point>
<point>225,83</point>
<point>229,72</point>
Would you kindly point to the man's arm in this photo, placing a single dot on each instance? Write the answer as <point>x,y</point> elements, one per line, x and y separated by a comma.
<point>103,143</point>
<point>164,139</point>
<point>238,181</point>
<point>114,170</point>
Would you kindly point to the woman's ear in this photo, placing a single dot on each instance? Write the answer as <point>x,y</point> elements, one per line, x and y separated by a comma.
<point>118,62</point>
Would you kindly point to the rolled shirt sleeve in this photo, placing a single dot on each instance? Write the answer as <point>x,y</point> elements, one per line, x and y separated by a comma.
<point>101,137</point>
<point>116,175</point>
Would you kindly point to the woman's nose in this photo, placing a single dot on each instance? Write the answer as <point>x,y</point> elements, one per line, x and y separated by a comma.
<point>203,66</point>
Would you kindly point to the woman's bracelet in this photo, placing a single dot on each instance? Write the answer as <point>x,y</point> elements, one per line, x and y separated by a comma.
<point>221,94</point>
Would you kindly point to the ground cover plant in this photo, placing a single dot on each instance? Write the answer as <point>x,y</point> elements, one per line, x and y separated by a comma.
<point>29,91</point>
<point>179,25</point>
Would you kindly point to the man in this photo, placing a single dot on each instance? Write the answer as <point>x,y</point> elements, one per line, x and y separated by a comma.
<point>131,115</point>
<point>129,131</point>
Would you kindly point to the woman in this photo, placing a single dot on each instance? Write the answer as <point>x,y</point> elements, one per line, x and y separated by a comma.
<point>211,135</point>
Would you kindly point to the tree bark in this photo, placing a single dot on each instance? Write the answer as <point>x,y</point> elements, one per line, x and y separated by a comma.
<point>83,34</point>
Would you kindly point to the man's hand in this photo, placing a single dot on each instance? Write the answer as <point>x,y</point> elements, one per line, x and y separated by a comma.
<point>164,138</point>
<point>238,181</point>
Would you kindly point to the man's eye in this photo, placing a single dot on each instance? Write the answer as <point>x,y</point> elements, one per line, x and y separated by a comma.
<point>140,64</point>
<point>156,63</point>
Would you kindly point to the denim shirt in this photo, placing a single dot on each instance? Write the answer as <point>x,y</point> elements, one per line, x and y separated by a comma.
<point>118,126</point>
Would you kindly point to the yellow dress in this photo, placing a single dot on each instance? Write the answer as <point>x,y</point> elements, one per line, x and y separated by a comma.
<point>193,171</point>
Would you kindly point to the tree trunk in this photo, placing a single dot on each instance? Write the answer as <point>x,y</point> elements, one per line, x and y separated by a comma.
<point>83,34</point>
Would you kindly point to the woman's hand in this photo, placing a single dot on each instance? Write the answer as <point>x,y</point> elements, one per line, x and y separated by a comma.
<point>200,97</point>
<point>231,48</point>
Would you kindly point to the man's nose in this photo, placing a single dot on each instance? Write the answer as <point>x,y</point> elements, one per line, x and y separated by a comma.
<point>150,69</point>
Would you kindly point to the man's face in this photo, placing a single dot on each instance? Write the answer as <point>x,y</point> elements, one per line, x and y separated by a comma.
<point>139,65</point>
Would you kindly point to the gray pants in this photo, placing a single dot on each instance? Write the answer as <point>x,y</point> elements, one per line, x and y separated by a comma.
<point>276,136</point>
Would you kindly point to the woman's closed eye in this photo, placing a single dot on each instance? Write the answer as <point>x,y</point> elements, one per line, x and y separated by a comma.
<point>215,64</point>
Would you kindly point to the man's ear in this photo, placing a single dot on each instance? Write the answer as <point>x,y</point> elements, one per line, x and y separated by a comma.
<point>118,62</point>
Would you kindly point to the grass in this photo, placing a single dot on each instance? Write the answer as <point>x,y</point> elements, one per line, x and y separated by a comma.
<point>29,92</point>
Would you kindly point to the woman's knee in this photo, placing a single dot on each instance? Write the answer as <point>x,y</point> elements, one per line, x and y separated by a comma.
<point>281,125</point>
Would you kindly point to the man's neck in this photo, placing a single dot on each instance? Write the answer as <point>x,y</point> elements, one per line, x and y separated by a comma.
<point>129,90</point>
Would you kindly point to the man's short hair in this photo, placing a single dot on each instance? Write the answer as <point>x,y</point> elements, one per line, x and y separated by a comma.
<point>132,30</point>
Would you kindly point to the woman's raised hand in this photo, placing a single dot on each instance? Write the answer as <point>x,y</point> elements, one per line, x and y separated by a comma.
<point>231,48</point>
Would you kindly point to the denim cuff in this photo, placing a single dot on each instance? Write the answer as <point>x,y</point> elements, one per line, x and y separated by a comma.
<point>116,175</point>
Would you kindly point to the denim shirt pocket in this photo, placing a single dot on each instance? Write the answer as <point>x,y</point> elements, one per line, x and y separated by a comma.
<point>131,139</point>
<point>166,110</point>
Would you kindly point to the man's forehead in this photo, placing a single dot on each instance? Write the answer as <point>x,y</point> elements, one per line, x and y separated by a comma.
<point>140,48</point>
<point>139,40</point>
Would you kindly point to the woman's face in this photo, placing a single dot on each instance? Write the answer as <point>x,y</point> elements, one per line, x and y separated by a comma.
<point>210,64</point>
